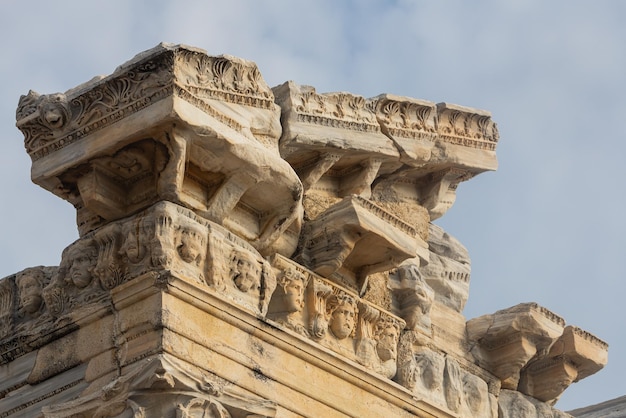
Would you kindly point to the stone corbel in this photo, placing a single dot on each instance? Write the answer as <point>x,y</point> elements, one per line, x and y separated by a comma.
<point>358,237</point>
<point>312,172</point>
<point>439,190</point>
<point>504,342</point>
<point>574,356</point>
<point>413,296</point>
<point>360,181</point>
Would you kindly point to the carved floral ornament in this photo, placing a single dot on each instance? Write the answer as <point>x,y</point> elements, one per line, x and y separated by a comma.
<point>189,175</point>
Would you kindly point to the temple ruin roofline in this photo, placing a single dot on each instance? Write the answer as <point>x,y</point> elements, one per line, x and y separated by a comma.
<point>247,251</point>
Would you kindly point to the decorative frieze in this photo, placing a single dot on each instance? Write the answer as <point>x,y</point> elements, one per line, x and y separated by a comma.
<point>236,238</point>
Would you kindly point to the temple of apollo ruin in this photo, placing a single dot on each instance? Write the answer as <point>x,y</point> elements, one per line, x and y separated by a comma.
<point>247,252</point>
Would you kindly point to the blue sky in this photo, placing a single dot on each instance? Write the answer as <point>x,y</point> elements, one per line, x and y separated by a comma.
<point>548,226</point>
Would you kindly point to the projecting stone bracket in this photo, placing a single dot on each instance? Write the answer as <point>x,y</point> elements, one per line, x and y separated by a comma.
<point>356,238</point>
<point>575,355</point>
<point>504,342</point>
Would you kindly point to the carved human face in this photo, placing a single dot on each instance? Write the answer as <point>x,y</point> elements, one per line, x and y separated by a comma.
<point>133,250</point>
<point>30,288</point>
<point>431,369</point>
<point>472,393</point>
<point>294,295</point>
<point>342,320</point>
<point>387,343</point>
<point>246,273</point>
<point>80,270</point>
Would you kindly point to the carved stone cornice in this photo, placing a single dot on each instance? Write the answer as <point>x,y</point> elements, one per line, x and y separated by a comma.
<point>172,124</point>
<point>460,125</point>
<point>575,355</point>
<point>508,339</point>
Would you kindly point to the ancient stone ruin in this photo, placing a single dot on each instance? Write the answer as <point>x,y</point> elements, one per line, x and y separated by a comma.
<point>247,251</point>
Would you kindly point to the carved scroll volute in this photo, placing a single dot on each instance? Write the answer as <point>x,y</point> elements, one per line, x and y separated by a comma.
<point>317,293</point>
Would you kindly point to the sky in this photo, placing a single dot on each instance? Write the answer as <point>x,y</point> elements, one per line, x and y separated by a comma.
<point>548,226</point>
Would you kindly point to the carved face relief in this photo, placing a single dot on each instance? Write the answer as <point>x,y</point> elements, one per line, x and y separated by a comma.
<point>82,260</point>
<point>342,318</point>
<point>295,295</point>
<point>387,343</point>
<point>293,285</point>
<point>472,392</point>
<point>54,111</point>
<point>430,367</point>
<point>132,248</point>
<point>245,272</point>
<point>80,271</point>
<point>30,286</point>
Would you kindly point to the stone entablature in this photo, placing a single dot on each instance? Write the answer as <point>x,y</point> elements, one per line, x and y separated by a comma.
<point>256,252</point>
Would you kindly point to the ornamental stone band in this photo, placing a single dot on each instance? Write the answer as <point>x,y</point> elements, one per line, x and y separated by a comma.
<point>247,251</point>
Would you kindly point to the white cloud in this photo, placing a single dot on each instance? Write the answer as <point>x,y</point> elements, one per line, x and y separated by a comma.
<point>548,226</point>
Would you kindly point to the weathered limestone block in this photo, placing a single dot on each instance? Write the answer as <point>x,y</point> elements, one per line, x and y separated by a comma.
<point>574,356</point>
<point>412,296</point>
<point>506,340</point>
<point>454,385</point>
<point>513,404</point>
<point>172,124</point>
<point>195,185</point>
<point>42,303</point>
<point>448,268</point>
<point>333,140</point>
<point>439,146</point>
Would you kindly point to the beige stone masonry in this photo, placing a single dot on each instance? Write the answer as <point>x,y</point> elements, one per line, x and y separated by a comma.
<point>247,252</point>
